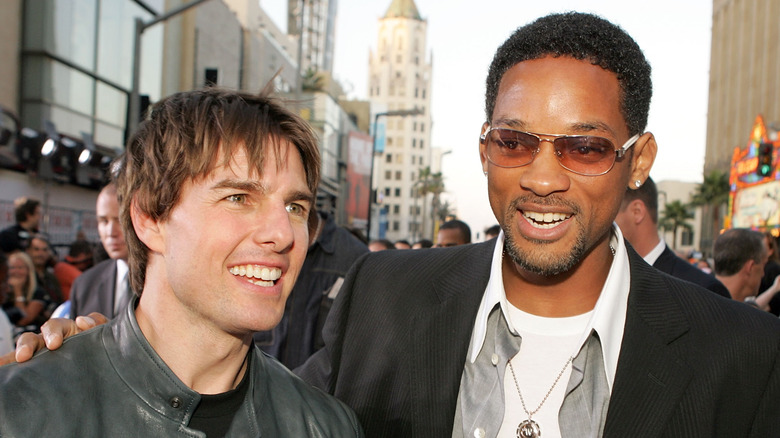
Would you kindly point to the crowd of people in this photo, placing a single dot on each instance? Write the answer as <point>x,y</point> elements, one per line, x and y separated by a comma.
<point>574,320</point>
<point>36,282</point>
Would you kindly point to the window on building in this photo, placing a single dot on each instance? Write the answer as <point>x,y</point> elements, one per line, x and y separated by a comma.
<point>396,209</point>
<point>397,192</point>
<point>399,158</point>
<point>414,159</point>
<point>422,144</point>
<point>398,175</point>
<point>686,238</point>
<point>388,174</point>
<point>423,93</point>
<point>414,142</point>
<point>422,127</point>
<point>389,141</point>
<point>416,92</point>
<point>396,226</point>
<point>414,126</point>
<point>387,192</point>
<point>389,158</point>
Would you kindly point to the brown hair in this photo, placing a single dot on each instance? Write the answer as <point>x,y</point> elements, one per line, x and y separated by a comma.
<point>185,137</point>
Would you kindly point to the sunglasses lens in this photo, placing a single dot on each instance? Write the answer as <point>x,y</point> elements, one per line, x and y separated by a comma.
<point>509,148</point>
<point>587,155</point>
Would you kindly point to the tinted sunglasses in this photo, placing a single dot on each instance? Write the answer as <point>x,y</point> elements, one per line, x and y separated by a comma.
<point>582,154</point>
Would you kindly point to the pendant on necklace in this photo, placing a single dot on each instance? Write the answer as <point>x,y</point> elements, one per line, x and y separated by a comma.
<point>528,429</point>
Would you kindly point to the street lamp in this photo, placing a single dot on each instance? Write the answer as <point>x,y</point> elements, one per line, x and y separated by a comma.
<point>395,113</point>
<point>140,27</point>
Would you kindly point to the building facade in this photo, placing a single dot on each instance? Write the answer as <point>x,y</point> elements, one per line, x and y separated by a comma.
<point>315,20</point>
<point>400,73</point>
<point>74,63</point>
<point>744,75</point>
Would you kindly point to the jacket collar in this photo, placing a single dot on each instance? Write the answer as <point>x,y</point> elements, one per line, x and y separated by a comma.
<point>650,374</point>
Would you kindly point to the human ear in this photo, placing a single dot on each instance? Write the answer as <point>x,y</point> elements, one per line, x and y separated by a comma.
<point>147,229</point>
<point>645,150</point>
<point>482,148</point>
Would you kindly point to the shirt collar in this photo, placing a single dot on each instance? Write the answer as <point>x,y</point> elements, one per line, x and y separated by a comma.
<point>121,270</point>
<point>654,253</point>
<point>609,314</point>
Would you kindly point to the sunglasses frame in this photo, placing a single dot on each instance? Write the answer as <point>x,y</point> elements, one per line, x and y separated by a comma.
<point>619,152</point>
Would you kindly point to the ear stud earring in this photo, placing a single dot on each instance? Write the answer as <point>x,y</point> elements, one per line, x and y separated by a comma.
<point>638,183</point>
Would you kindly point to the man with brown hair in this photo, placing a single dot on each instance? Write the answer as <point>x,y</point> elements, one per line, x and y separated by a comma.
<point>27,212</point>
<point>216,189</point>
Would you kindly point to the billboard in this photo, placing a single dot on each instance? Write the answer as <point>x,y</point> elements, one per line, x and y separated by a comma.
<point>358,179</point>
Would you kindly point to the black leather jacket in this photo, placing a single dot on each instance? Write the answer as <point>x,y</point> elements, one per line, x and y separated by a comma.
<point>110,382</point>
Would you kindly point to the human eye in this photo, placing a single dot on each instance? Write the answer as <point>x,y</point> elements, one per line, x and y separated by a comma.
<point>297,209</point>
<point>506,139</point>
<point>591,149</point>
<point>238,198</point>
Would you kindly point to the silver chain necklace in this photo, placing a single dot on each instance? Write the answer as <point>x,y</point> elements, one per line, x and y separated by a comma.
<point>530,428</point>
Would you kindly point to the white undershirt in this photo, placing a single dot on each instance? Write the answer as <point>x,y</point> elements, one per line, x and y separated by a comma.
<point>547,345</point>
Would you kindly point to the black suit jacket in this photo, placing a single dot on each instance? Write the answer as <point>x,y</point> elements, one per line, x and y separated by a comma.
<point>93,290</point>
<point>692,364</point>
<point>677,267</point>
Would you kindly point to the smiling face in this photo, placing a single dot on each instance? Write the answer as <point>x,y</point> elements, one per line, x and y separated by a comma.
<point>231,249</point>
<point>552,217</point>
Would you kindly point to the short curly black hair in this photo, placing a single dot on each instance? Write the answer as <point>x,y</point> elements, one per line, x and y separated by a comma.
<point>585,37</point>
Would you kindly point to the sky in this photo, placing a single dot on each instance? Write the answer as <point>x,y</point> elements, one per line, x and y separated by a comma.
<point>462,38</point>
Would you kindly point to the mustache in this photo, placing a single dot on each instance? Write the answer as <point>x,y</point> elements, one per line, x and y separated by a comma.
<point>547,201</point>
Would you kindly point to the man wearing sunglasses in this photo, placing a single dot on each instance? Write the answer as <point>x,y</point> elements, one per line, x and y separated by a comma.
<point>557,327</point>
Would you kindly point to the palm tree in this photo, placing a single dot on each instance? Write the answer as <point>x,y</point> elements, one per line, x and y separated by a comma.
<point>433,183</point>
<point>313,80</point>
<point>711,195</point>
<point>676,215</point>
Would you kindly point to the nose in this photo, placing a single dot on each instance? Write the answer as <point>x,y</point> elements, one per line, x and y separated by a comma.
<point>545,175</point>
<point>274,227</point>
<point>114,229</point>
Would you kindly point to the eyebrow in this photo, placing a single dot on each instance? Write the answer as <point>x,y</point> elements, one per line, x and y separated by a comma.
<point>579,127</point>
<point>258,187</point>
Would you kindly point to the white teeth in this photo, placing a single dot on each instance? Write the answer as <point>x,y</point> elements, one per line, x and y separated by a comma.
<point>545,220</point>
<point>259,275</point>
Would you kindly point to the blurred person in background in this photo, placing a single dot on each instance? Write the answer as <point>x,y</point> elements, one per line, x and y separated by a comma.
<point>638,220</point>
<point>105,287</point>
<point>422,243</point>
<point>740,255</point>
<point>402,244</point>
<point>79,259</point>
<point>27,212</point>
<point>42,256</point>
<point>6,328</point>
<point>453,233</point>
<point>380,245</point>
<point>771,271</point>
<point>491,232</point>
<point>25,302</point>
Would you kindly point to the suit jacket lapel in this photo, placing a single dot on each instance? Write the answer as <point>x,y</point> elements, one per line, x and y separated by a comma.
<point>104,292</point>
<point>650,377</point>
<point>442,336</point>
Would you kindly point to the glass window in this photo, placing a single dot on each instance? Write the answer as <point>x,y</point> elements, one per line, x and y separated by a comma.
<point>111,105</point>
<point>65,28</point>
<point>70,88</point>
<point>389,158</point>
